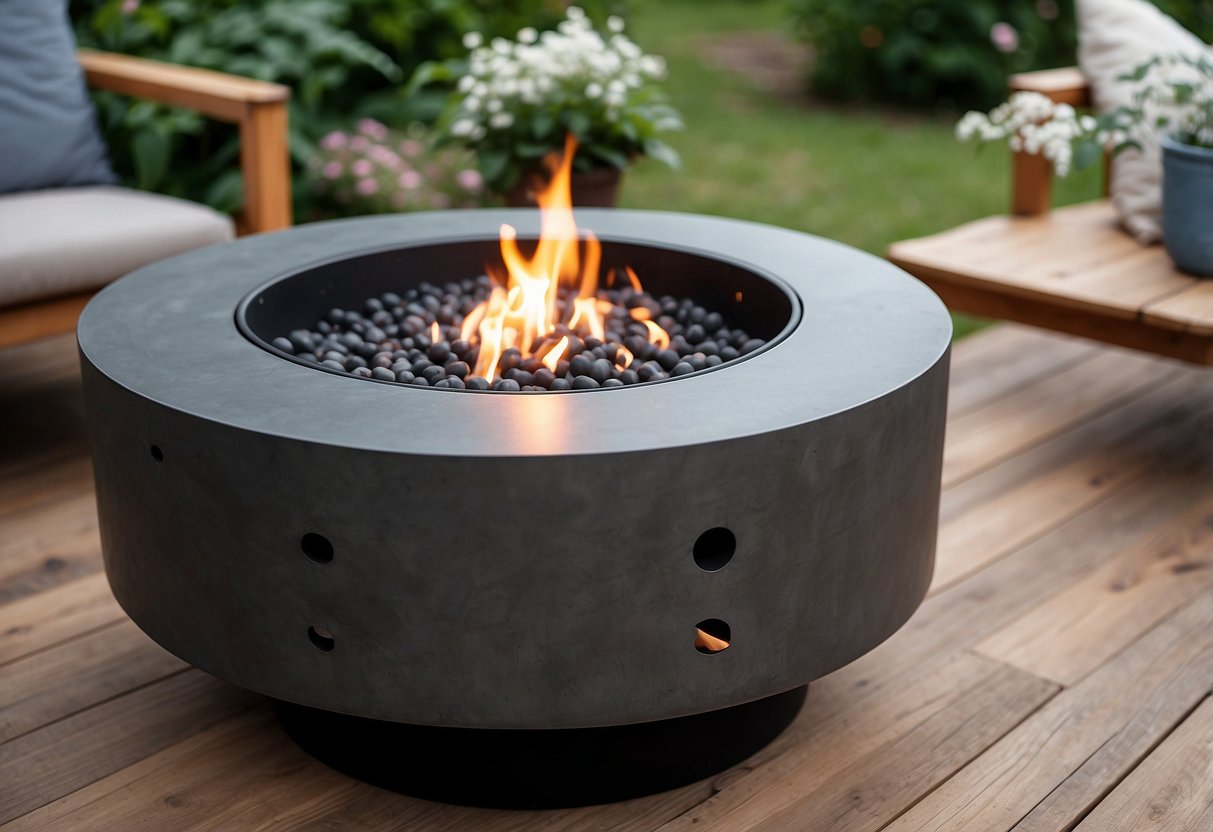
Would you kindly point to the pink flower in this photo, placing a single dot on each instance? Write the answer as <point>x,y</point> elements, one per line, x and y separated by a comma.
<point>362,167</point>
<point>1047,9</point>
<point>332,170</point>
<point>366,187</point>
<point>374,129</point>
<point>384,155</point>
<point>469,180</point>
<point>1004,37</point>
<point>412,147</point>
<point>334,141</point>
<point>410,179</point>
<point>359,143</point>
<point>129,6</point>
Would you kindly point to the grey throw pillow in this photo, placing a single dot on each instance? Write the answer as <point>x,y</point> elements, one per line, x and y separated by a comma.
<point>48,132</point>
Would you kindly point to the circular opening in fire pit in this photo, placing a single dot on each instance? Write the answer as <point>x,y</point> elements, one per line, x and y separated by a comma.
<point>714,549</point>
<point>413,317</point>
<point>317,548</point>
<point>712,636</point>
<point>321,639</point>
<point>157,454</point>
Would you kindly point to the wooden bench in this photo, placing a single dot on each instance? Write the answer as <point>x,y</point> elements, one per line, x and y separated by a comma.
<point>1071,269</point>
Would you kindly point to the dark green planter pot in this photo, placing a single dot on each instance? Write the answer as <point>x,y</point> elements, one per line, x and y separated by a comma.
<point>1187,206</point>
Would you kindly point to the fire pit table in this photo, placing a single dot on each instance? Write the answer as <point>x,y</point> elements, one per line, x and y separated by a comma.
<point>522,597</point>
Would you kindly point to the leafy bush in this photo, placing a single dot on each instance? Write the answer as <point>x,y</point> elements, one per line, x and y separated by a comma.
<point>945,52</point>
<point>343,59</point>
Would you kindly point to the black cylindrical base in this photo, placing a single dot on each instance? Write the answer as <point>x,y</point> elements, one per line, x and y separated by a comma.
<point>539,769</point>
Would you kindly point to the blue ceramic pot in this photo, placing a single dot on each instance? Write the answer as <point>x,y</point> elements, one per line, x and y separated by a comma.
<point>1187,206</point>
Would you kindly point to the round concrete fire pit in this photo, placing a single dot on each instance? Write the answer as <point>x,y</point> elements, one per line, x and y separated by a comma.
<point>515,560</point>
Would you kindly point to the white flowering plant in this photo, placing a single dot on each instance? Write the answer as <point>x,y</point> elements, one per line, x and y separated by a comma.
<point>513,102</point>
<point>1171,94</point>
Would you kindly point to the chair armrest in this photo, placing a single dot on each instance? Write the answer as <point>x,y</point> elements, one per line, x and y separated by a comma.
<point>258,107</point>
<point>1032,183</point>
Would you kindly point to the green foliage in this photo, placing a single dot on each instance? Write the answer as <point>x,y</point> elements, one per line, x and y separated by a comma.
<point>945,53</point>
<point>343,59</point>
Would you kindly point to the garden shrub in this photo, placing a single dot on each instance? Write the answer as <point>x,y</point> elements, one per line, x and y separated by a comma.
<point>947,53</point>
<point>343,59</point>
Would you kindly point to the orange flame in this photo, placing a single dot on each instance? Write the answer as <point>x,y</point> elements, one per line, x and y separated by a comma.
<point>529,307</point>
<point>709,642</point>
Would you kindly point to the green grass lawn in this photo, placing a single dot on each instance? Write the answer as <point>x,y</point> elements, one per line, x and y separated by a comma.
<point>864,176</point>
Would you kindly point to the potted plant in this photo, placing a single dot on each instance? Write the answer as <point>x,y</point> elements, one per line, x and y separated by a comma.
<point>1172,105</point>
<point>513,103</point>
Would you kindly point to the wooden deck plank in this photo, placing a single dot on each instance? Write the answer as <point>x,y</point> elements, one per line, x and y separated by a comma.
<point>48,546</point>
<point>54,615</point>
<point>1089,622</point>
<point>48,686</point>
<point>1000,360</point>
<point>1010,425</point>
<point>58,758</point>
<point>1172,791</point>
<point>845,792</point>
<point>1141,695</point>
<point>982,521</point>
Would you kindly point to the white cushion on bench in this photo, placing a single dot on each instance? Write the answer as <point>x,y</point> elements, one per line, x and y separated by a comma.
<point>66,240</point>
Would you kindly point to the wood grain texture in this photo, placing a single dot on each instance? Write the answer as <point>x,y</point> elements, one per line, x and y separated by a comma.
<point>1162,675</point>
<point>1072,270</point>
<point>40,319</point>
<point>76,674</point>
<point>266,166</point>
<point>216,94</point>
<point>1089,622</point>
<point>1171,791</point>
<point>56,615</point>
<point>959,721</point>
<point>983,436</point>
<point>60,757</point>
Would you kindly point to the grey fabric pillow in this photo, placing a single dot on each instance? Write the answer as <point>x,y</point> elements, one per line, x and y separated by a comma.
<point>48,132</point>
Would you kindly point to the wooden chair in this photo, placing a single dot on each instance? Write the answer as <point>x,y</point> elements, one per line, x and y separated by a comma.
<point>258,107</point>
<point>1070,269</point>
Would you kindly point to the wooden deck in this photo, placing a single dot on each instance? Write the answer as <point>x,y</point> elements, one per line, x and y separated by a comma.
<point>1057,678</point>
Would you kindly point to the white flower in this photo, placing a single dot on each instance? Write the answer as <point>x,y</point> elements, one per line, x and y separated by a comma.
<point>472,39</point>
<point>466,83</point>
<point>575,13</point>
<point>615,23</point>
<point>500,121</point>
<point>527,35</point>
<point>593,89</point>
<point>463,127</point>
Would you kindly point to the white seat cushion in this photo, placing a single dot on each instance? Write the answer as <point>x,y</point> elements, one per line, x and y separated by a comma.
<point>65,240</point>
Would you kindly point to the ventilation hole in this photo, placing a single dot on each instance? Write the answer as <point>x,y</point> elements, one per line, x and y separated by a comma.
<point>316,547</point>
<point>712,636</point>
<point>714,549</point>
<point>157,454</point>
<point>321,639</point>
